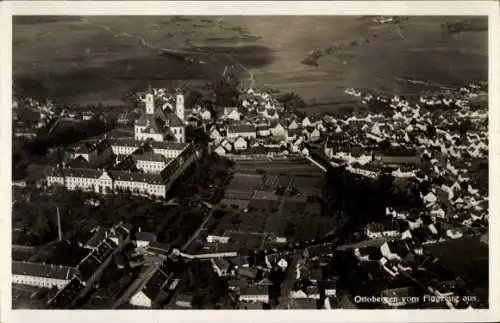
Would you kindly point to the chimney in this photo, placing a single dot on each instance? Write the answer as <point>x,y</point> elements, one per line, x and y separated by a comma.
<point>59,231</point>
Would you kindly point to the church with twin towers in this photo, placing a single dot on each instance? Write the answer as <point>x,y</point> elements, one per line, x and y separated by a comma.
<point>163,118</point>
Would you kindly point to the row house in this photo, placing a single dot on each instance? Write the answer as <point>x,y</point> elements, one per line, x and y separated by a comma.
<point>367,170</point>
<point>124,146</point>
<point>241,130</point>
<point>101,181</point>
<point>169,149</point>
<point>376,230</point>
<point>151,163</point>
<point>41,275</point>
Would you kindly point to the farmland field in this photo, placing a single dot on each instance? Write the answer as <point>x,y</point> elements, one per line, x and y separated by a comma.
<point>267,200</point>
<point>95,59</point>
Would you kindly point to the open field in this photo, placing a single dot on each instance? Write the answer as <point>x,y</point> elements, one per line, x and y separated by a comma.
<point>90,59</point>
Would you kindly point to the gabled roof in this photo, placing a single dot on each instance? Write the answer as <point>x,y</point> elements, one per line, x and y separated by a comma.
<point>158,158</point>
<point>169,145</point>
<point>398,247</point>
<point>79,162</point>
<point>240,128</point>
<point>145,236</point>
<point>383,226</point>
<point>154,179</point>
<point>265,282</point>
<point>155,284</point>
<point>43,270</point>
<point>98,236</point>
<point>125,142</point>
<point>83,149</point>
<point>83,172</point>
<point>173,120</point>
<point>254,290</point>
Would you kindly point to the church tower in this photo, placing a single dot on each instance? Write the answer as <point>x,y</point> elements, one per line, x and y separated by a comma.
<point>179,106</point>
<point>150,101</point>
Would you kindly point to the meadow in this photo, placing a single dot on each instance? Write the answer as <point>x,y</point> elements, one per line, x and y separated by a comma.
<point>95,59</point>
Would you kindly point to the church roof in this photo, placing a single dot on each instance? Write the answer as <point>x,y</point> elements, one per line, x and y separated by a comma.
<point>173,120</point>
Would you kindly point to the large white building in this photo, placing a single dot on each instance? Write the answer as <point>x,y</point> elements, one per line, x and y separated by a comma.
<point>41,275</point>
<point>155,176</point>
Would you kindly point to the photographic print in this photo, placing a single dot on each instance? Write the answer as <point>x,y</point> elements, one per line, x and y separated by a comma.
<point>250,162</point>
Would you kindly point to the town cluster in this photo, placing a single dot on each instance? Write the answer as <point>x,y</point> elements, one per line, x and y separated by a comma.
<point>408,141</point>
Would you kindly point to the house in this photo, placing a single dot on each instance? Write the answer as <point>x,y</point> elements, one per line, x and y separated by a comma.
<point>236,285</point>
<point>396,249</point>
<point>99,234</point>
<point>328,287</point>
<point>147,295</point>
<point>312,134</point>
<point>293,125</point>
<point>42,275</point>
<point>396,160</point>
<point>184,301</point>
<point>454,233</point>
<point>232,113</point>
<point>241,130</point>
<point>306,122</point>
<point>254,293</point>
<point>143,239</point>
<point>221,266</point>
<point>247,272</point>
<point>263,131</point>
<point>214,134</point>
<point>240,143</point>
<point>310,291</point>
<point>278,130</point>
<point>220,150</point>
<point>205,114</point>
<point>219,239</point>
<point>376,230</point>
<point>367,170</point>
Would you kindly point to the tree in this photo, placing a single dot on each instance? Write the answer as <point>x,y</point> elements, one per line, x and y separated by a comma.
<point>291,101</point>
<point>193,98</point>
